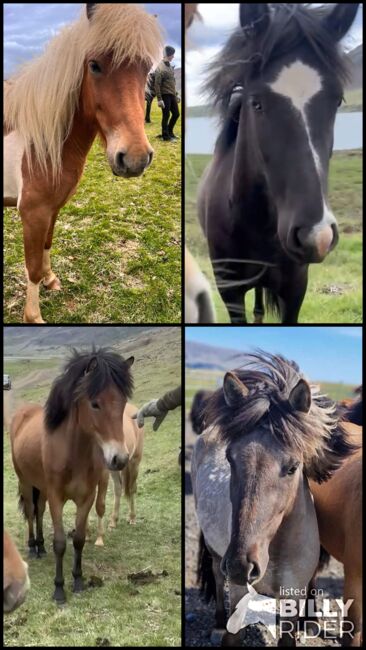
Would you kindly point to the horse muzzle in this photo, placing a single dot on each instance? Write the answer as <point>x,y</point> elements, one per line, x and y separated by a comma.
<point>312,245</point>
<point>118,462</point>
<point>128,166</point>
<point>241,572</point>
<point>15,593</point>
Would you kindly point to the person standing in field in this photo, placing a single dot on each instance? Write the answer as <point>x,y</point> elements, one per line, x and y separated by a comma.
<point>166,94</point>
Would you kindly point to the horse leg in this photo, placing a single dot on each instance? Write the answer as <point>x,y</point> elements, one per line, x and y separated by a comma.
<point>220,615</point>
<point>234,300</point>
<point>82,513</point>
<point>353,591</point>
<point>26,492</point>
<point>117,482</point>
<point>35,228</point>
<point>291,296</point>
<point>258,306</point>
<point>59,544</point>
<point>100,506</point>
<point>50,279</point>
<point>130,474</point>
<point>40,508</point>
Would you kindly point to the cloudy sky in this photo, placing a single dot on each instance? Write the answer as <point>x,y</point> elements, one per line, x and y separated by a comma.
<point>207,37</point>
<point>28,27</point>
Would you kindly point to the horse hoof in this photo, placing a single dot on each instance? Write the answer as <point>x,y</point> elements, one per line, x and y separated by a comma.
<point>112,524</point>
<point>38,319</point>
<point>59,596</point>
<point>54,285</point>
<point>32,552</point>
<point>79,586</point>
<point>132,521</point>
<point>99,542</point>
<point>41,553</point>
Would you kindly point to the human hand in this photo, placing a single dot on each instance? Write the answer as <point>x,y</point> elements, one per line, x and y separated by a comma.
<point>161,103</point>
<point>178,99</point>
<point>150,409</point>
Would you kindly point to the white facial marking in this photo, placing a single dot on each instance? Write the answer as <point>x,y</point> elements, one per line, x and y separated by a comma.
<point>299,83</point>
<point>109,451</point>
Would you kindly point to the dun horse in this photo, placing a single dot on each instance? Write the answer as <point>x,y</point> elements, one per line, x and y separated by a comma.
<point>60,452</point>
<point>263,200</point>
<point>268,434</point>
<point>16,580</point>
<point>90,81</point>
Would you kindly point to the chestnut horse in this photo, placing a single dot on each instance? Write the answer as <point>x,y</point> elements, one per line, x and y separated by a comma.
<point>91,80</point>
<point>61,451</point>
<point>16,580</point>
<point>267,434</point>
<point>338,505</point>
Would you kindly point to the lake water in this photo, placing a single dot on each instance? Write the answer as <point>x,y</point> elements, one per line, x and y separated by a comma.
<point>201,133</point>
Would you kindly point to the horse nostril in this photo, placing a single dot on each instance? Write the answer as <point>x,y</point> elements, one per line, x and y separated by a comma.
<point>150,157</point>
<point>120,159</point>
<point>253,572</point>
<point>296,238</point>
<point>114,462</point>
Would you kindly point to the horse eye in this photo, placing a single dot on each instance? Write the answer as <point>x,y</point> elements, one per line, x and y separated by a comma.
<point>292,469</point>
<point>94,67</point>
<point>95,405</point>
<point>256,105</point>
<point>340,101</point>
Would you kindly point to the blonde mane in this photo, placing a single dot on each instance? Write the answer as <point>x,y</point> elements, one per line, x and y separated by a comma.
<point>40,100</point>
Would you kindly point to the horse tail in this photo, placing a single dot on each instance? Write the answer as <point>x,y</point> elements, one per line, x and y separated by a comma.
<point>272,302</point>
<point>205,574</point>
<point>21,501</point>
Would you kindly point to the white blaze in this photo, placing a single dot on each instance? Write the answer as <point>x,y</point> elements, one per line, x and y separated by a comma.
<point>300,83</point>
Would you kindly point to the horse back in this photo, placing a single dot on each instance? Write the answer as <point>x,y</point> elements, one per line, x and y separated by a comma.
<point>22,418</point>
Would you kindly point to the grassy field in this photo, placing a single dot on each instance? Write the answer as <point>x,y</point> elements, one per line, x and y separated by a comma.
<point>334,292</point>
<point>117,245</point>
<point>120,612</point>
<point>212,379</point>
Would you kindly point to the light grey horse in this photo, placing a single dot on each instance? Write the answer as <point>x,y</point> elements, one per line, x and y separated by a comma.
<point>267,432</point>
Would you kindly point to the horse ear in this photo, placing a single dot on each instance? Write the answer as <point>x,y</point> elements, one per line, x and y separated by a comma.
<point>130,361</point>
<point>254,18</point>
<point>90,8</point>
<point>91,365</point>
<point>340,19</point>
<point>234,389</point>
<point>300,397</point>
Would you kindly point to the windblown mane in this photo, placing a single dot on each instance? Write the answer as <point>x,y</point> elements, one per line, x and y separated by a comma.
<point>40,100</point>
<point>318,435</point>
<point>242,57</point>
<point>86,374</point>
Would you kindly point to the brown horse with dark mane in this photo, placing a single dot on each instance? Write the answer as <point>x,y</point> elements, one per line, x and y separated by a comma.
<point>60,452</point>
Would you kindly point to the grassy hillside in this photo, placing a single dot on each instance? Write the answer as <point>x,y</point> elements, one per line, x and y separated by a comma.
<point>119,612</point>
<point>117,245</point>
<point>334,292</point>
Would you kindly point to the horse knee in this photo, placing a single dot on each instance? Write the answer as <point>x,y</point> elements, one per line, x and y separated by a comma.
<point>59,545</point>
<point>100,508</point>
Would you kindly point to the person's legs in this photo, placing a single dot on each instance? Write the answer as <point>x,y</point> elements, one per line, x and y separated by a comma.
<point>174,110</point>
<point>165,118</point>
<point>149,101</point>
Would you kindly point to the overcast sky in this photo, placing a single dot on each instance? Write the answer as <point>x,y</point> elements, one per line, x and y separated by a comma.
<point>206,38</point>
<point>28,27</point>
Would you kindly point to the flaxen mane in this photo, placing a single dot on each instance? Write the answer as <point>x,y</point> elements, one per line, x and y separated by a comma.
<point>86,374</point>
<point>40,100</point>
<point>318,435</point>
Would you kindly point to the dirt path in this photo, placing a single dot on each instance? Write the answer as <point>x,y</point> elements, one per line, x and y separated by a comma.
<point>199,617</point>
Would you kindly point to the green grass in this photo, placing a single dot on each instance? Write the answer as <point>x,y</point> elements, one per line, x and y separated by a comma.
<point>117,245</point>
<point>334,292</point>
<point>118,611</point>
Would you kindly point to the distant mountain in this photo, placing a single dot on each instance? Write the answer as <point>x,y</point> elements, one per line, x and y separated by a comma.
<point>30,341</point>
<point>356,58</point>
<point>200,355</point>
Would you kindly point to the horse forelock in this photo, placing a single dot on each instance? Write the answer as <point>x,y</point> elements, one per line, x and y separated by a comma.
<point>290,26</point>
<point>317,436</point>
<point>86,375</point>
<point>41,98</point>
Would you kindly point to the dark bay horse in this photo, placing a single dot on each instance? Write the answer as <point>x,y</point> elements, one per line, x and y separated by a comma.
<point>90,80</point>
<point>60,452</point>
<point>263,200</point>
<point>16,579</point>
<point>268,433</point>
